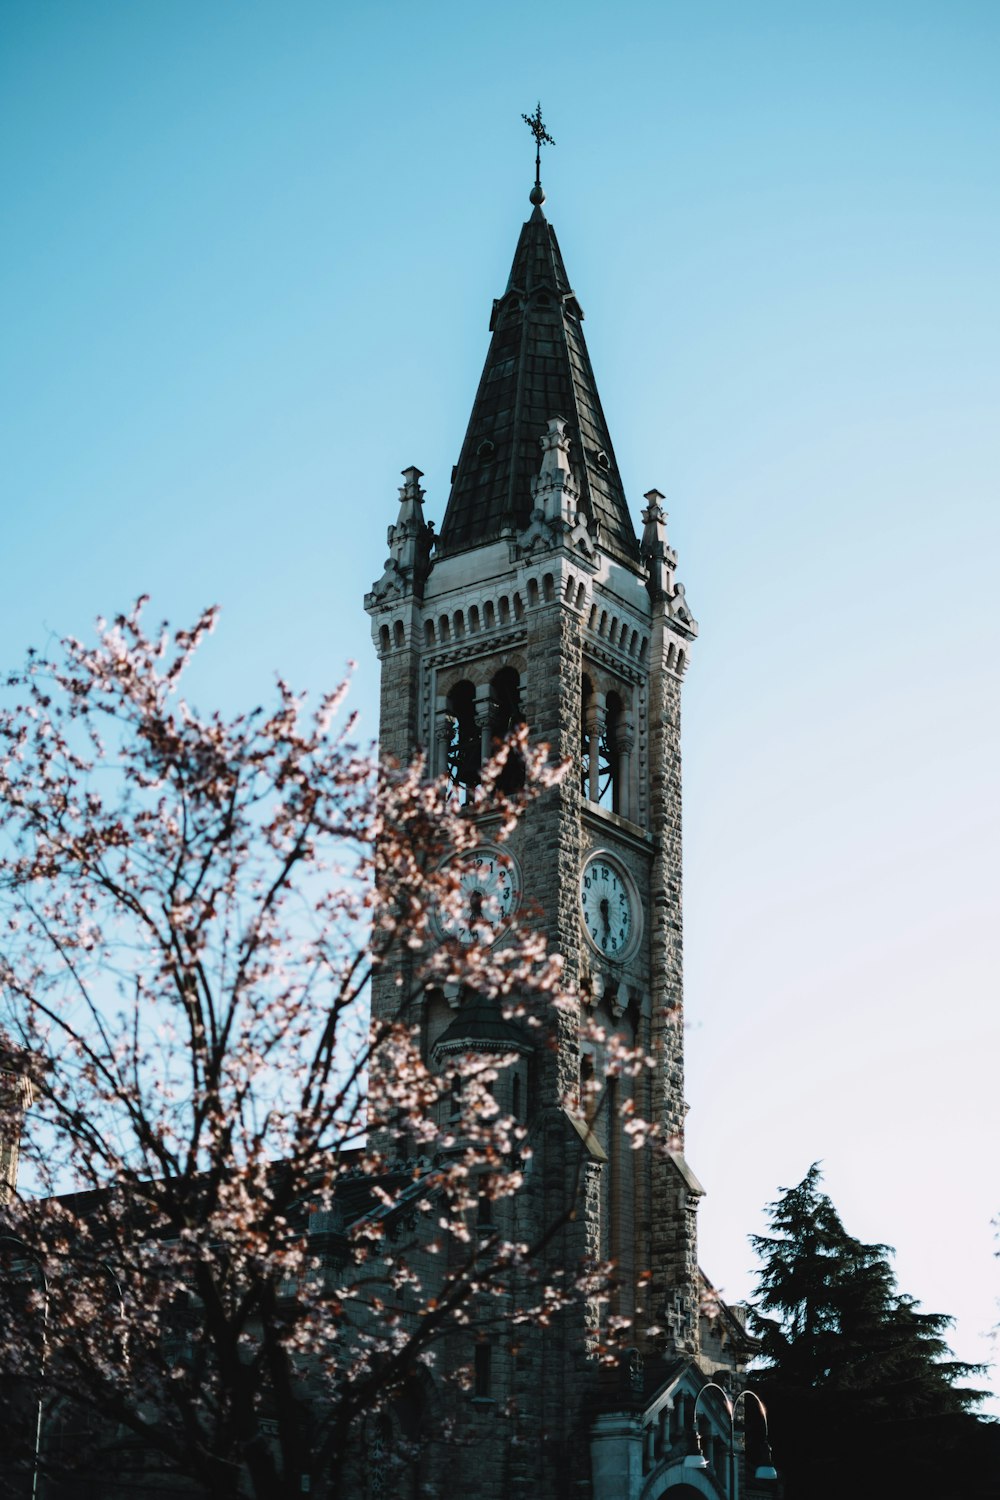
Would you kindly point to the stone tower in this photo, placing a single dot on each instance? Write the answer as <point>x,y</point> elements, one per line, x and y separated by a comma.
<point>539,603</point>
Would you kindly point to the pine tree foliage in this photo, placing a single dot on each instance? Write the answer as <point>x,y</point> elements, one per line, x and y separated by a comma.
<point>863,1396</point>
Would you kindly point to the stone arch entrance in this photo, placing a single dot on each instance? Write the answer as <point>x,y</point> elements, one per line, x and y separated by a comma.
<point>680,1484</point>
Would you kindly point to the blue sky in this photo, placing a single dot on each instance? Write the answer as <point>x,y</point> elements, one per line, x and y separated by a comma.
<point>248,254</point>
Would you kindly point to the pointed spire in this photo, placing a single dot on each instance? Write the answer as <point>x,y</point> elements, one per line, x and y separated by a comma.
<point>537,369</point>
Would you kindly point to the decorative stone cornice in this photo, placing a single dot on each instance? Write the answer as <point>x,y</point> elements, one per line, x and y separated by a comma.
<point>484,644</point>
<point>620,665</point>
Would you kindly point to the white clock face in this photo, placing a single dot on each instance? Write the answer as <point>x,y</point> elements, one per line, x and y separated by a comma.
<point>609,905</point>
<point>489,890</point>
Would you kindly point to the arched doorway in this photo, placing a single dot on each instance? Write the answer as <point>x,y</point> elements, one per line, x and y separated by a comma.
<point>677,1483</point>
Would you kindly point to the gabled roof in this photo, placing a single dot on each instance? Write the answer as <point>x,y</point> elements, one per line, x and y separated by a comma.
<point>537,368</point>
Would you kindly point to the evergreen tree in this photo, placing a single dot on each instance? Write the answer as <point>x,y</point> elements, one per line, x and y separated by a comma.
<point>861,1392</point>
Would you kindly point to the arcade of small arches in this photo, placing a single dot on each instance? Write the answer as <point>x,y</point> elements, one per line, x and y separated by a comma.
<point>604,625</point>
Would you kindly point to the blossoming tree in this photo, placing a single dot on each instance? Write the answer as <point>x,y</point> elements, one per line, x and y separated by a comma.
<point>245,1213</point>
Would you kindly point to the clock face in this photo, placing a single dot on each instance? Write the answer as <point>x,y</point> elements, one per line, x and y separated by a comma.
<point>610,907</point>
<point>489,890</point>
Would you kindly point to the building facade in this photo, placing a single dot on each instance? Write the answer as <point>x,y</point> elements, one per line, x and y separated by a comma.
<point>539,603</point>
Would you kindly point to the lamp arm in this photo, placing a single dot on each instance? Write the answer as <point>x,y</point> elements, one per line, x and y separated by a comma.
<point>754,1396</point>
<point>711,1385</point>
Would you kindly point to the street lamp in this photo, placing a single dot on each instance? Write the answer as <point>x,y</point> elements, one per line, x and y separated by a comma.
<point>106,1267</point>
<point>696,1458</point>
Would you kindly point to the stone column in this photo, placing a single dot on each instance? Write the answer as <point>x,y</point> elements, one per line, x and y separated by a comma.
<point>616,1456</point>
<point>597,716</point>
<point>483,718</point>
<point>443,725</point>
<point>624,745</point>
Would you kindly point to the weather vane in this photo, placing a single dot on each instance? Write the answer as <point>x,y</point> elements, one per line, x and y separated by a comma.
<point>542,138</point>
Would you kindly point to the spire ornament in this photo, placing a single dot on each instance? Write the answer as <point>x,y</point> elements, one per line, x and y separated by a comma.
<point>542,138</point>
<point>410,542</point>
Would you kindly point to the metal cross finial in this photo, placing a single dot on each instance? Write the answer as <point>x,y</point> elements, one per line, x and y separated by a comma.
<point>542,138</point>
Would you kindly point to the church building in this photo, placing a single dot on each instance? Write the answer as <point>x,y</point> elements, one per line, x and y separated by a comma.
<point>539,602</point>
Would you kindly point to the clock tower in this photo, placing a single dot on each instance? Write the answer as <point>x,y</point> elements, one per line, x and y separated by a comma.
<point>540,602</point>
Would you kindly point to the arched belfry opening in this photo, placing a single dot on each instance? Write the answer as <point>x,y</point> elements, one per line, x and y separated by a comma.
<point>465,742</point>
<point>614,714</point>
<point>505,717</point>
<point>478,717</point>
<point>597,762</point>
<point>606,741</point>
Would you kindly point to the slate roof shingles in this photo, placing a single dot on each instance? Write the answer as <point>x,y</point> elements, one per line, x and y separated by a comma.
<point>537,368</point>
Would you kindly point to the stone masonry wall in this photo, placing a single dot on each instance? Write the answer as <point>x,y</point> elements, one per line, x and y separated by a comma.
<point>530,1439</point>
<point>673,1248</point>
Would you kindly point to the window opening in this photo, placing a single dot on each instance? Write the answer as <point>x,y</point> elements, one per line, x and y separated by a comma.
<point>602,741</point>
<point>455,1096</point>
<point>505,717</point>
<point>464,747</point>
<point>482,1371</point>
<point>611,791</point>
<point>596,770</point>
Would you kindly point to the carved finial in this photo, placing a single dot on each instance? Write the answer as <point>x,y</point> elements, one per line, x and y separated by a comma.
<point>542,138</point>
<point>555,447</point>
<point>658,555</point>
<point>654,507</point>
<point>410,541</point>
<point>661,561</point>
<point>411,491</point>
<point>554,489</point>
<point>654,519</point>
